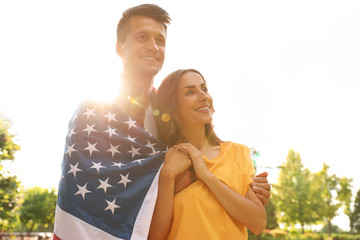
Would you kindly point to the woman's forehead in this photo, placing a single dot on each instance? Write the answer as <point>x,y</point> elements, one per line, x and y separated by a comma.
<point>191,78</point>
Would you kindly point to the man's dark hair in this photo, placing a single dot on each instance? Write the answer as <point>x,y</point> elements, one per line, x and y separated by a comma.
<point>147,10</point>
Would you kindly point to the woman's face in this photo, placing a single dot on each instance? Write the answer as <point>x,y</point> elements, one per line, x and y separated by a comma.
<point>194,103</point>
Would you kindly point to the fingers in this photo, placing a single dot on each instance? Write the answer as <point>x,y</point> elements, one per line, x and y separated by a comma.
<point>262,175</point>
<point>263,199</point>
<point>262,189</point>
<point>189,149</point>
<point>259,179</point>
<point>265,186</point>
<point>176,161</point>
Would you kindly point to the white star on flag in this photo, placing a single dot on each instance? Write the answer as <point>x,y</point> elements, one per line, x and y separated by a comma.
<point>89,112</point>
<point>134,151</point>
<point>82,190</point>
<point>113,149</point>
<point>91,148</point>
<point>111,206</point>
<point>131,139</point>
<point>131,123</point>
<point>111,131</point>
<point>150,145</point>
<point>153,152</point>
<point>119,164</point>
<point>70,149</point>
<point>139,160</point>
<point>124,180</point>
<point>150,135</point>
<point>104,184</point>
<point>74,169</point>
<point>73,119</point>
<point>97,166</point>
<point>89,129</point>
<point>72,132</point>
<point>111,117</point>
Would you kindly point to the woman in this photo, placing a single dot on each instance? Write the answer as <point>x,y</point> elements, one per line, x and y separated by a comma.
<point>220,204</point>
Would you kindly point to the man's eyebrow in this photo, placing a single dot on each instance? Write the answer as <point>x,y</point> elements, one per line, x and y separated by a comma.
<point>141,32</point>
<point>147,32</point>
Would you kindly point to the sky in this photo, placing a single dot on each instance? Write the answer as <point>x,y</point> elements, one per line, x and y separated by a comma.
<point>283,74</point>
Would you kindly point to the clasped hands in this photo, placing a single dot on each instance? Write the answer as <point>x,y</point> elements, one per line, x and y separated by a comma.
<point>187,164</point>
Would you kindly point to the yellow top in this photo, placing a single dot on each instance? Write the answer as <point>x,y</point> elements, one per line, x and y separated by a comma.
<point>197,214</point>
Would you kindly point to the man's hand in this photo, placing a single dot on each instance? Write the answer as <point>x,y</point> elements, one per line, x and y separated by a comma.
<point>184,179</point>
<point>261,187</point>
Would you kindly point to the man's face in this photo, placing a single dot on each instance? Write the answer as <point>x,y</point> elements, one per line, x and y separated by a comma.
<point>143,51</point>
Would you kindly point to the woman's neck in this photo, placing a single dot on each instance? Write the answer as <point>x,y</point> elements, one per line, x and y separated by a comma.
<point>195,135</point>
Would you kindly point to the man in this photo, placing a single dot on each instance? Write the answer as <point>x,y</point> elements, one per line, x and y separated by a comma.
<point>109,174</point>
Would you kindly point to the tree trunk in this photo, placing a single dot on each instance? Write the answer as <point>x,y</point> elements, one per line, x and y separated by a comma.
<point>302,228</point>
<point>329,228</point>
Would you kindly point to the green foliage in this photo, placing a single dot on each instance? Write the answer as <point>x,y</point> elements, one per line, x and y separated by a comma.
<point>9,186</point>
<point>335,229</point>
<point>335,192</point>
<point>271,219</point>
<point>7,146</point>
<point>294,234</point>
<point>294,193</point>
<point>343,236</point>
<point>311,236</point>
<point>37,213</point>
<point>9,197</point>
<point>355,215</point>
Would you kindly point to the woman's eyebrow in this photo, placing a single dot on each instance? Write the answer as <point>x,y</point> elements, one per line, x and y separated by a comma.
<point>189,86</point>
<point>193,86</point>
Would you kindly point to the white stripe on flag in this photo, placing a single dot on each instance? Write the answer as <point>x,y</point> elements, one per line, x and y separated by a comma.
<point>69,227</point>
<point>143,219</point>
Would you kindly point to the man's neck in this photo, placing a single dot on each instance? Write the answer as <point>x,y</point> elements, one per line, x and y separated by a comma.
<point>137,88</point>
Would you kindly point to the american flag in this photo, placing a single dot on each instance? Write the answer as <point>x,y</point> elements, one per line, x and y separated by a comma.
<point>108,184</point>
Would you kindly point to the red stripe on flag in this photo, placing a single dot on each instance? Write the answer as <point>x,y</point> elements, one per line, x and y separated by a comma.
<point>55,237</point>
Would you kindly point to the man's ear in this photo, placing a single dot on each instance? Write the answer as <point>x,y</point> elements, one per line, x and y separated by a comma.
<point>119,49</point>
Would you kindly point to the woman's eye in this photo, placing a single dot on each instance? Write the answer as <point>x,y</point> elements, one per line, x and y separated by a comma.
<point>189,92</point>
<point>204,89</point>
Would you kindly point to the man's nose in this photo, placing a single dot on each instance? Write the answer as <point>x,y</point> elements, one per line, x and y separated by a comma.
<point>152,45</point>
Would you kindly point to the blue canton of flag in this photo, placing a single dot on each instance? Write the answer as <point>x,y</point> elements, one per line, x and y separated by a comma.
<point>108,185</point>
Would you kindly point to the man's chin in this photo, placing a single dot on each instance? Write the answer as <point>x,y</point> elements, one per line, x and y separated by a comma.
<point>152,71</point>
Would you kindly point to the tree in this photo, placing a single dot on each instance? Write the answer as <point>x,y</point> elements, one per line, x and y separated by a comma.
<point>38,209</point>
<point>293,193</point>
<point>7,146</point>
<point>9,186</point>
<point>271,219</point>
<point>9,197</point>
<point>355,215</point>
<point>335,192</point>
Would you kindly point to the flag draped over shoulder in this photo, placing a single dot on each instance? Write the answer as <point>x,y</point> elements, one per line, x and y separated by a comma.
<point>108,184</point>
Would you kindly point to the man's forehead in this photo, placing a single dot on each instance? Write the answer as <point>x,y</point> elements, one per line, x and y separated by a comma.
<point>146,24</point>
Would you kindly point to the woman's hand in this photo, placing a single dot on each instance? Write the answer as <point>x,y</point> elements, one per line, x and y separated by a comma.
<point>176,162</point>
<point>197,160</point>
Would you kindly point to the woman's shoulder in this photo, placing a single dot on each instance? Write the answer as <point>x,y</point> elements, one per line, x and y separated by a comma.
<point>239,153</point>
<point>237,147</point>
